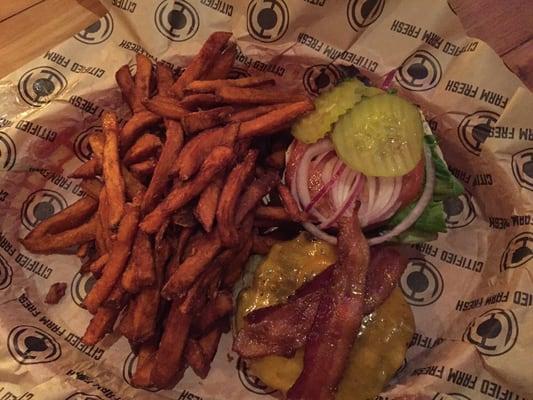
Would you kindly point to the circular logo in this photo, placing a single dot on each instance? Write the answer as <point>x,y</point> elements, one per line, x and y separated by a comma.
<point>267,20</point>
<point>6,273</point>
<point>236,73</point>
<point>475,128</point>
<point>362,13</point>
<point>421,71</point>
<point>493,333</point>
<point>421,283</point>
<point>41,205</point>
<point>177,21</point>
<point>82,149</point>
<point>460,211</point>
<point>80,286</point>
<point>97,32</point>
<point>522,165</point>
<point>251,382</point>
<point>83,396</point>
<point>30,345</point>
<point>448,396</point>
<point>40,85</point>
<point>320,78</point>
<point>8,152</point>
<point>518,252</point>
<point>128,369</point>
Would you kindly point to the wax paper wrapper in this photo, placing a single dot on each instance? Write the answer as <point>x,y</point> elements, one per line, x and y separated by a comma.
<point>471,291</point>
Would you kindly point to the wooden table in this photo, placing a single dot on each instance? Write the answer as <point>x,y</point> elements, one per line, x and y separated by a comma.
<point>30,27</point>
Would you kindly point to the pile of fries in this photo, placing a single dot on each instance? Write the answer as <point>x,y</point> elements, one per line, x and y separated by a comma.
<point>174,206</point>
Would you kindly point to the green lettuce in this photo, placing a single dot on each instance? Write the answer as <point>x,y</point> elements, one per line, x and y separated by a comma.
<point>433,219</point>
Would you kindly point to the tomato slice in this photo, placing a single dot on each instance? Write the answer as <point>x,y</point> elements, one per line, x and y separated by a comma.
<point>412,183</point>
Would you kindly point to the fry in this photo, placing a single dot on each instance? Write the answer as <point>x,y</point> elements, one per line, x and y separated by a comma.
<point>290,205</point>
<point>113,181</point>
<point>84,249</point>
<point>55,293</point>
<point>254,112</point>
<point>89,169</point>
<point>199,147</point>
<point>187,272</point>
<point>222,64</point>
<point>206,208</point>
<point>135,127</point>
<point>253,194</point>
<point>92,187</point>
<point>100,324</point>
<point>235,182</point>
<point>232,270</point>
<point>140,270</point>
<point>117,298</point>
<point>201,120</point>
<point>274,121</point>
<point>276,159</point>
<point>209,86</point>
<point>219,159</point>
<point>145,364</point>
<point>143,169</point>
<point>165,107</point>
<point>183,238</point>
<point>194,101</point>
<point>184,216</point>
<point>213,311</point>
<point>117,260</point>
<point>71,217</point>
<point>169,355</point>
<point>272,213</point>
<point>161,175</point>
<point>200,353</point>
<point>139,323</point>
<point>126,84</point>
<point>54,242</point>
<point>165,78</point>
<point>142,82</point>
<point>263,244</point>
<point>246,95</point>
<point>96,141</point>
<point>103,233</point>
<point>201,62</point>
<point>146,146</point>
<point>98,265</point>
<point>134,187</point>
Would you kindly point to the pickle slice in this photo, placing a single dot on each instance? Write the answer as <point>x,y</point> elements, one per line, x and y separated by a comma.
<point>329,106</point>
<point>380,136</point>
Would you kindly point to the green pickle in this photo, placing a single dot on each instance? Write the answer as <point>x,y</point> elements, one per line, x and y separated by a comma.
<point>329,106</point>
<point>379,348</point>
<point>380,136</point>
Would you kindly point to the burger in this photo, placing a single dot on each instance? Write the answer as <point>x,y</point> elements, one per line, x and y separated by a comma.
<point>320,316</point>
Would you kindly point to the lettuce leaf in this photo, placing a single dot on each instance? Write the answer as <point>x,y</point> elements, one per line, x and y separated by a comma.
<point>433,219</point>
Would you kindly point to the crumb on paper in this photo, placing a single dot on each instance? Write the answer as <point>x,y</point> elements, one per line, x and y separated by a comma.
<point>230,357</point>
<point>55,293</point>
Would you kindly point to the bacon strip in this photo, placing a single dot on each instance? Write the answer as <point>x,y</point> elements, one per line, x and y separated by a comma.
<point>337,320</point>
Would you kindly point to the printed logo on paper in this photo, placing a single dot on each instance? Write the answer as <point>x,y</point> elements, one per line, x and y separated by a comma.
<point>421,71</point>
<point>8,152</point>
<point>128,369</point>
<point>80,286</point>
<point>6,273</point>
<point>475,128</point>
<point>177,21</point>
<point>97,32</point>
<point>363,13</point>
<point>40,85</point>
<point>421,282</point>
<point>447,396</point>
<point>40,205</point>
<point>518,252</point>
<point>321,77</point>
<point>267,20</point>
<point>236,73</point>
<point>81,146</point>
<point>460,211</point>
<point>522,165</point>
<point>83,396</point>
<point>251,382</point>
<point>493,333</point>
<point>30,345</point>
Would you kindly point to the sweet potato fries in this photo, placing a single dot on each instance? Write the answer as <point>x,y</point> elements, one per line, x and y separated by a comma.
<point>169,217</point>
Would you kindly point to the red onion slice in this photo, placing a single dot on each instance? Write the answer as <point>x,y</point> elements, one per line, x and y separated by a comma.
<point>416,212</point>
<point>355,190</point>
<point>326,188</point>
